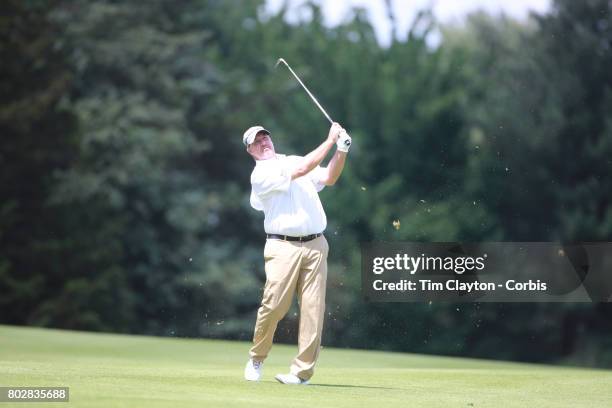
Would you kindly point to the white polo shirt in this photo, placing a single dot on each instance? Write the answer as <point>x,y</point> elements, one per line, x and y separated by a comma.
<point>291,207</point>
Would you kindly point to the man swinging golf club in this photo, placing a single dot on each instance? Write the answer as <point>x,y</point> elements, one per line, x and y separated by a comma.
<point>286,189</point>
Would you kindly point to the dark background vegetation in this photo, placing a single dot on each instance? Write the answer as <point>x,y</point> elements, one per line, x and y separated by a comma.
<point>124,182</point>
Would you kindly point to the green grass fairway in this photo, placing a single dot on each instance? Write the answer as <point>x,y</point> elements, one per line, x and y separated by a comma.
<point>104,370</point>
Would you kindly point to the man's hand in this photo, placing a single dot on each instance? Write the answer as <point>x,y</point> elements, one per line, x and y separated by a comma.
<point>334,132</point>
<point>344,142</point>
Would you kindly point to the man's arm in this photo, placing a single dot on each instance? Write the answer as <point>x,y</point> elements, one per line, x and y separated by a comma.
<point>334,168</point>
<point>336,165</point>
<point>314,158</point>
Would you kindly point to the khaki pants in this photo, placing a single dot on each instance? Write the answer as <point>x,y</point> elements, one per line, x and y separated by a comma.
<point>293,267</point>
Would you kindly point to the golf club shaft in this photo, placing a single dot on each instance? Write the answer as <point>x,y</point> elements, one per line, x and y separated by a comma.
<point>306,89</point>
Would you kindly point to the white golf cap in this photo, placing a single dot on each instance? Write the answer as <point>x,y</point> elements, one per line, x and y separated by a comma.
<point>249,135</point>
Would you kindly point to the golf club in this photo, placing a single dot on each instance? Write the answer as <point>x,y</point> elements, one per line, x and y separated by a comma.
<point>306,89</point>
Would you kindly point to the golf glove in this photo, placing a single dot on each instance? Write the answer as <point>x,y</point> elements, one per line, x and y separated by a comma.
<point>344,142</point>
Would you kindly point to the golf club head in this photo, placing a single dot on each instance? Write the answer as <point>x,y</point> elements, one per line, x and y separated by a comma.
<point>278,61</point>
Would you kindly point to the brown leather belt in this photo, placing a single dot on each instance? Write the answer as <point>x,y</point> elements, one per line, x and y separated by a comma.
<point>305,238</point>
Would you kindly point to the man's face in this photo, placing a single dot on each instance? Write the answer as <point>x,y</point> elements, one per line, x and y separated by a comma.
<point>262,147</point>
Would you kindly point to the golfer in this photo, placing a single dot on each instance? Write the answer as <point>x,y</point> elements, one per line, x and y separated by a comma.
<point>286,189</point>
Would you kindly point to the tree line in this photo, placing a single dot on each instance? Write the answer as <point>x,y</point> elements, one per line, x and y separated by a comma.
<point>124,184</point>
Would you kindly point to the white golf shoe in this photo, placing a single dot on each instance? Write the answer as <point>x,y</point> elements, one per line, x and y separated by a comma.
<point>253,370</point>
<point>290,379</point>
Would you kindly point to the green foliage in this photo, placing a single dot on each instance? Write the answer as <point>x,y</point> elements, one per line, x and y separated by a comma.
<point>38,139</point>
<point>125,183</point>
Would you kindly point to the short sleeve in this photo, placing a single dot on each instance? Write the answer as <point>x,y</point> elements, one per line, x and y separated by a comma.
<point>317,175</point>
<point>256,202</point>
<point>269,179</point>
